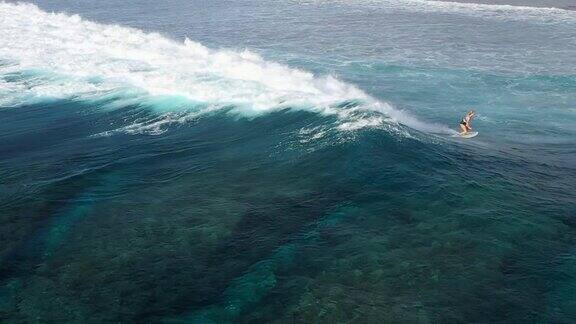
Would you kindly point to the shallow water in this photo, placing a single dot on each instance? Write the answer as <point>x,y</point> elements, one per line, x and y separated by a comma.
<point>286,161</point>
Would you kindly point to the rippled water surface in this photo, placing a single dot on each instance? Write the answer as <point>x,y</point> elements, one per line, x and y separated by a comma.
<point>286,161</point>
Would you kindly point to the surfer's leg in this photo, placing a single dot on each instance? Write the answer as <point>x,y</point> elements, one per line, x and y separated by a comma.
<point>464,129</point>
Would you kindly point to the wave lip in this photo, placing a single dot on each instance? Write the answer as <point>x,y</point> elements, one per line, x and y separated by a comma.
<point>88,60</point>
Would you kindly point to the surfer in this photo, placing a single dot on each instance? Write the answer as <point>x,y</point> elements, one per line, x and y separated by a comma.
<point>465,122</point>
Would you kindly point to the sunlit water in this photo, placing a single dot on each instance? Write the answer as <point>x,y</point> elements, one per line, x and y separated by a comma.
<point>286,161</point>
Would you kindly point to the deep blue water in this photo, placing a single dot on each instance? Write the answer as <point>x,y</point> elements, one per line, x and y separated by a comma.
<point>286,161</point>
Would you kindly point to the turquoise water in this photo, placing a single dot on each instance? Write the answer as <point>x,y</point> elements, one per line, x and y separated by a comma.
<point>287,162</point>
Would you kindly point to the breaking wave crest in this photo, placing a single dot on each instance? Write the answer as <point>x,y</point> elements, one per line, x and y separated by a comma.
<point>55,55</point>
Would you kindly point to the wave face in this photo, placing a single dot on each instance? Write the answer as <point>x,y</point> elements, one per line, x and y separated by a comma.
<point>146,179</point>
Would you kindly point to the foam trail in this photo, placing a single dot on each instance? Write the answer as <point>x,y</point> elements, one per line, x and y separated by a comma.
<point>489,11</point>
<point>74,57</point>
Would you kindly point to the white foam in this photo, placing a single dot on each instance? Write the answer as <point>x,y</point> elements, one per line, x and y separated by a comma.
<point>492,11</point>
<point>153,126</point>
<point>79,51</point>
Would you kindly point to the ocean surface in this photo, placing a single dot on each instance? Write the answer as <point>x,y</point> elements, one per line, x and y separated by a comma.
<point>563,4</point>
<point>287,162</point>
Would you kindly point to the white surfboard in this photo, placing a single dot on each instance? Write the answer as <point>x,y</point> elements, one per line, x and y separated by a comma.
<point>467,135</point>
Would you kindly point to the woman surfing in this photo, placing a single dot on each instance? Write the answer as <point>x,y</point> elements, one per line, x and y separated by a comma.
<point>465,122</point>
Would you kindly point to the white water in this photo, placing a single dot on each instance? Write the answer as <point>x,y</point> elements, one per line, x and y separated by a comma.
<point>65,56</point>
<point>486,11</point>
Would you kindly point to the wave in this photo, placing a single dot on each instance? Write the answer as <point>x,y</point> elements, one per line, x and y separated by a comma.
<point>56,55</point>
<point>496,11</point>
